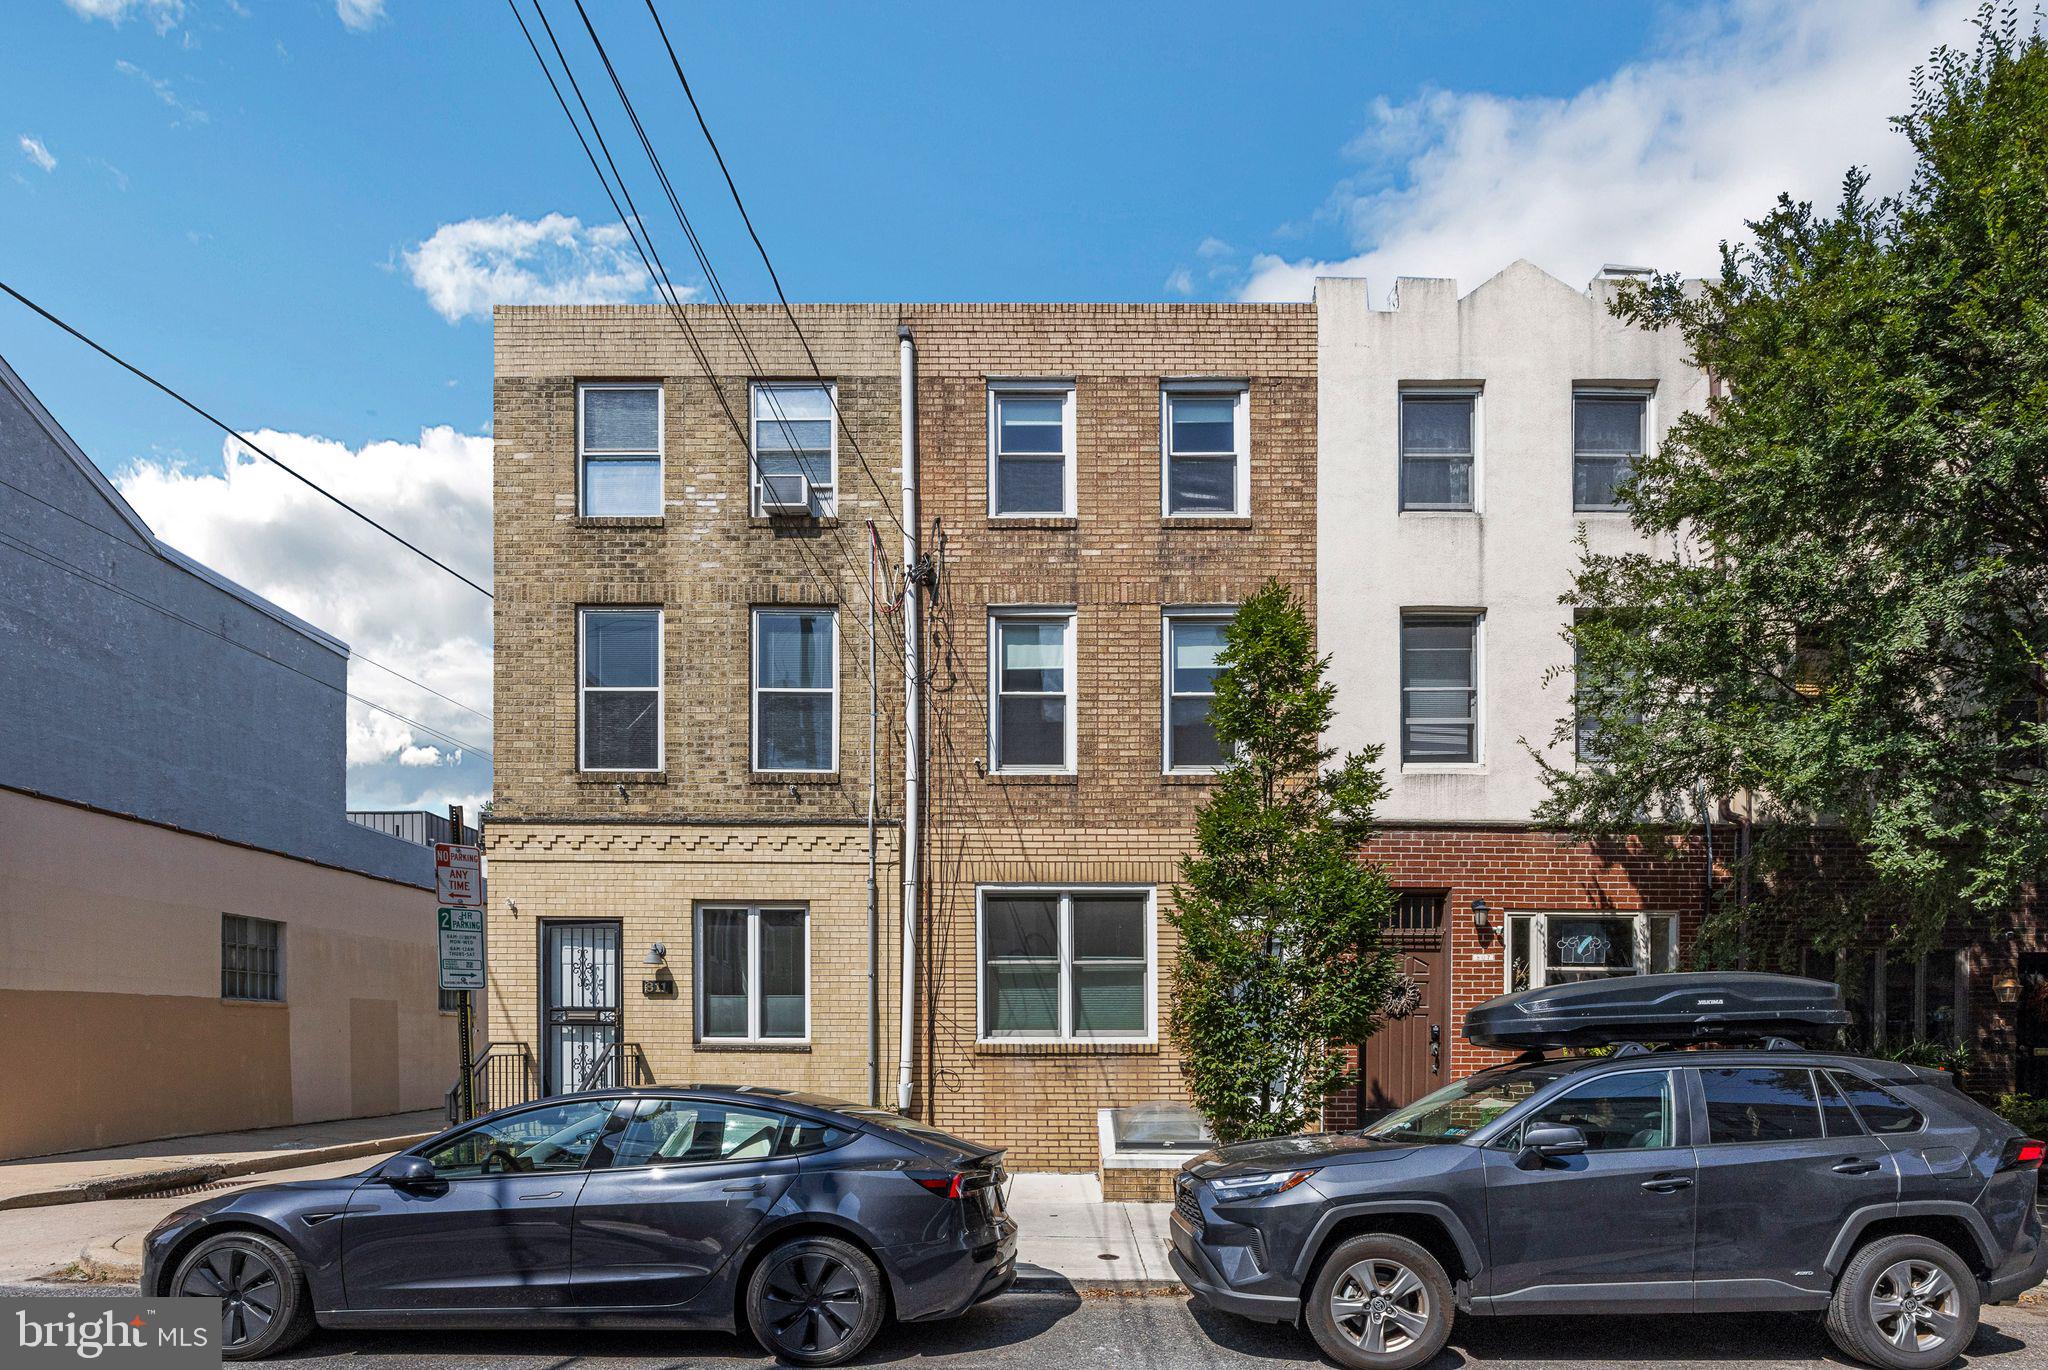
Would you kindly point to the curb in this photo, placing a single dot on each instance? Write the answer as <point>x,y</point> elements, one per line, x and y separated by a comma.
<point>180,1177</point>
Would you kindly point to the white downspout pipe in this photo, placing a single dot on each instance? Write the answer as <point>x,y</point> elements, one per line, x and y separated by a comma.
<point>913,711</point>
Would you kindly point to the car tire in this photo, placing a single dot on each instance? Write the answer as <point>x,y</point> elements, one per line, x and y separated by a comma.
<point>1380,1303</point>
<point>816,1301</point>
<point>265,1308</point>
<point>1904,1303</point>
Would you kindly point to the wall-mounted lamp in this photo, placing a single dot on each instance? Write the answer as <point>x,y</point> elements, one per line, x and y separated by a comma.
<point>1482,916</point>
<point>2006,989</point>
<point>656,955</point>
<point>620,786</point>
<point>513,905</point>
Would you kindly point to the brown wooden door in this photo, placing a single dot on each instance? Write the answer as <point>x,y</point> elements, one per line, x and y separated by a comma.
<point>1408,1056</point>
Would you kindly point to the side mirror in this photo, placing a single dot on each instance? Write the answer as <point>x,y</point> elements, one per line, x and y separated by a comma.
<point>1546,1141</point>
<point>405,1170</point>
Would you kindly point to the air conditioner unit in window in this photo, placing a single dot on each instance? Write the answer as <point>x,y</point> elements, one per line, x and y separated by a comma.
<point>789,494</point>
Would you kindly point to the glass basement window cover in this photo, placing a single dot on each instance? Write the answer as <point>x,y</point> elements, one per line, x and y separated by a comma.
<point>1159,1126</point>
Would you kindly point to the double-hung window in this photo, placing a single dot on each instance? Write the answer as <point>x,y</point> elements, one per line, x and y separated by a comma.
<point>1033,688</point>
<point>796,690</point>
<point>1609,428</point>
<point>1437,431</point>
<point>1031,449</point>
<point>251,958</point>
<point>618,444</point>
<point>1439,687</point>
<point>753,973</point>
<point>1066,964</point>
<point>1194,641</point>
<point>795,433</point>
<point>619,701</point>
<point>1204,431</point>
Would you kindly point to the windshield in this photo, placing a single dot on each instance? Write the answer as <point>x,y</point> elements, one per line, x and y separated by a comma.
<point>1460,1109</point>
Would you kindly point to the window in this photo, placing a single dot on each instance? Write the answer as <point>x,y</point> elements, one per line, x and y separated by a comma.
<point>619,718</point>
<point>1440,687</point>
<point>1033,691</point>
<point>1607,437</point>
<point>753,973</point>
<point>1436,449</point>
<point>1066,965</point>
<point>795,434</point>
<point>1559,948</point>
<point>694,1132</point>
<point>1193,643</point>
<point>1880,1111</point>
<point>796,690</point>
<point>1760,1104</point>
<point>1031,450</point>
<point>251,958</point>
<point>557,1137</point>
<point>1626,1112</point>
<point>618,434</point>
<point>1205,435</point>
<point>1894,999</point>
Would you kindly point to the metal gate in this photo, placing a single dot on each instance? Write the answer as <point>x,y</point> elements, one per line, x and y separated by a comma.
<point>1408,1057</point>
<point>579,1004</point>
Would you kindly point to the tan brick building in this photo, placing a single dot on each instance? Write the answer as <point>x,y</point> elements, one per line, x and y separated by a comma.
<point>683,700</point>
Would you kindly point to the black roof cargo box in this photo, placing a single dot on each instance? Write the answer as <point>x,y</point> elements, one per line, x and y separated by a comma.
<point>1704,1006</point>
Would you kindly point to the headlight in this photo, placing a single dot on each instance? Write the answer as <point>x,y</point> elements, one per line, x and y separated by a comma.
<point>1239,1187</point>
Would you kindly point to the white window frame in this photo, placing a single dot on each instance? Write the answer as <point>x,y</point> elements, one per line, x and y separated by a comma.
<point>248,920</point>
<point>1065,895</point>
<point>757,689</point>
<point>584,456</point>
<point>1241,496</point>
<point>1539,940</point>
<point>1194,613</point>
<point>996,617</point>
<point>1478,761</point>
<point>1064,388</point>
<point>753,911</point>
<point>583,616</point>
<point>1475,393</point>
<point>1648,395</point>
<point>823,507</point>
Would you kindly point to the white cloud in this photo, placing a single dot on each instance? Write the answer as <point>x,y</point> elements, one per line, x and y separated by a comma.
<point>1654,165</point>
<point>1180,282</point>
<point>163,15</point>
<point>467,267</point>
<point>254,523</point>
<point>164,91</point>
<point>359,14</point>
<point>33,149</point>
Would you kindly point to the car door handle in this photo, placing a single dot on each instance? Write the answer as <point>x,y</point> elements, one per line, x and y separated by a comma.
<point>750,1187</point>
<point>536,1198</point>
<point>1854,1166</point>
<point>1667,1184</point>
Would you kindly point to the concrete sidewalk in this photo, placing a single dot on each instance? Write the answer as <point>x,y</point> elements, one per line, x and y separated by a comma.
<point>1067,1235</point>
<point>145,1167</point>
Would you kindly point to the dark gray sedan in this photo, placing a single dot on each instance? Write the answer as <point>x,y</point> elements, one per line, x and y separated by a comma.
<point>809,1220</point>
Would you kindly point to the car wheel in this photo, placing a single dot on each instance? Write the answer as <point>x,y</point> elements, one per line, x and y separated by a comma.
<point>1380,1303</point>
<point>264,1305</point>
<point>816,1301</point>
<point>1904,1303</point>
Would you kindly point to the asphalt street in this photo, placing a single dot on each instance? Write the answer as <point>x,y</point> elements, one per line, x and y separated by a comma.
<point>1063,1331</point>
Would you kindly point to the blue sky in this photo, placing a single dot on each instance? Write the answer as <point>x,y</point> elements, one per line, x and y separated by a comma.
<point>300,210</point>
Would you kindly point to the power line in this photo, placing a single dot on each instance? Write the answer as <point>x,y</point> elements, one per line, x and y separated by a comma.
<point>73,569</point>
<point>353,654</point>
<point>760,247</point>
<point>135,370</point>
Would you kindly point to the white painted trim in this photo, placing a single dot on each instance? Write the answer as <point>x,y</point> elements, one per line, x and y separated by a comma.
<point>753,912</point>
<point>1064,894</point>
<point>583,613</point>
<point>1068,421</point>
<point>755,688</point>
<point>997,614</point>
<point>1198,613</point>
<point>827,506</point>
<point>583,455</point>
<point>1241,496</point>
<point>1539,939</point>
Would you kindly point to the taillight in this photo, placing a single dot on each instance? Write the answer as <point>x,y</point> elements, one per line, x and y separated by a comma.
<point>945,1186</point>
<point>2023,1153</point>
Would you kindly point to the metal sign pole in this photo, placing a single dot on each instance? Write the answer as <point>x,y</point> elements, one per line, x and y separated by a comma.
<point>466,1095</point>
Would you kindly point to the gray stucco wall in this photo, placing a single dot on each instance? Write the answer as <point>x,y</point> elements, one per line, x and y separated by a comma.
<point>117,689</point>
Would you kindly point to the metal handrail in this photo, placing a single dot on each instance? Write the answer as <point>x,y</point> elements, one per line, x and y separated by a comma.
<point>625,1054</point>
<point>508,1066</point>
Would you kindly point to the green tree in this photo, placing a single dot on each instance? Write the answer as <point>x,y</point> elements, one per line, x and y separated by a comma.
<point>1851,632</point>
<point>1279,917</point>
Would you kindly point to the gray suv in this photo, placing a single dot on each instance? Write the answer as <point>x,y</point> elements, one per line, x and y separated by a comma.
<point>1643,1181</point>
